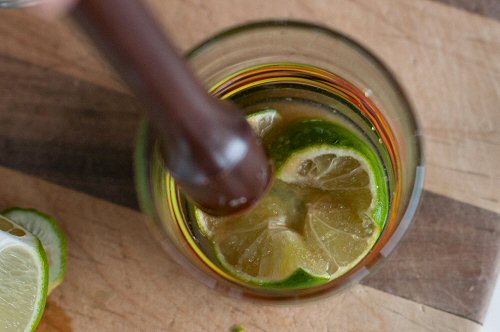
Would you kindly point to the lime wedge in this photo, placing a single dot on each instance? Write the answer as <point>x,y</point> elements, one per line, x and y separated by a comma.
<point>45,228</point>
<point>342,173</point>
<point>205,222</point>
<point>263,121</point>
<point>23,278</point>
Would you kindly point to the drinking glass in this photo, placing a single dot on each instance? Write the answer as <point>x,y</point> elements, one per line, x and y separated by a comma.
<point>386,117</point>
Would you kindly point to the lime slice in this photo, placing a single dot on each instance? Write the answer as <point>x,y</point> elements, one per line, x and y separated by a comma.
<point>265,246</point>
<point>340,194</point>
<point>262,121</point>
<point>344,188</point>
<point>313,137</point>
<point>23,278</point>
<point>44,228</point>
<point>205,222</point>
<point>342,173</point>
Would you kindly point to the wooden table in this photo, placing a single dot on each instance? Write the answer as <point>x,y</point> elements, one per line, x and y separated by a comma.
<point>66,118</point>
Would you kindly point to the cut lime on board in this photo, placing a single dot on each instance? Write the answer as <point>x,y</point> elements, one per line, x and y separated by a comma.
<point>45,228</point>
<point>323,214</point>
<point>23,278</point>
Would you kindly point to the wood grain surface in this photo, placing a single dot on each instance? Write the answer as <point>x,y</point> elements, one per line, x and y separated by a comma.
<point>65,117</point>
<point>118,279</point>
<point>449,259</point>
<point>66,130</point>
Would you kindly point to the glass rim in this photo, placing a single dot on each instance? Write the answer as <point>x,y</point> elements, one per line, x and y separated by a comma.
<point>416,190</point>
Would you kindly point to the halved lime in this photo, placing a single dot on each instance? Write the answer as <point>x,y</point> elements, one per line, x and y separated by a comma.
<point>263,121</point>
<point>23,278</point>
<point>45,228</point>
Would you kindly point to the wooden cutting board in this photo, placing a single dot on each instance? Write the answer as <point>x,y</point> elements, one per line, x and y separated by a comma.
<point>65,117</point>
<point>119,279</point>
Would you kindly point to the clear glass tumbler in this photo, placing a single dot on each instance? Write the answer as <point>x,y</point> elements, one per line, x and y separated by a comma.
<point>223,64</point>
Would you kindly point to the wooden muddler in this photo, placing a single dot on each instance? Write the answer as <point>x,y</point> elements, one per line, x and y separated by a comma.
<point>206,144</point>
